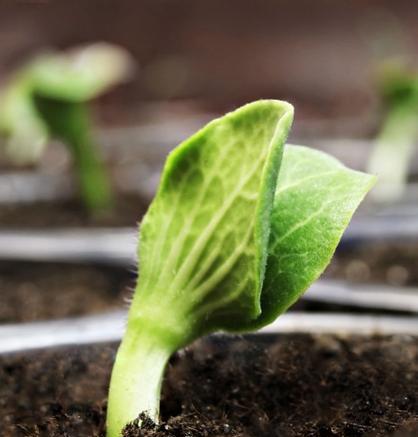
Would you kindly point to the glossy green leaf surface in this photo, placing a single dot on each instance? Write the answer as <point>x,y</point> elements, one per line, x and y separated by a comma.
<point>315,199</point>
<point>203,241</point>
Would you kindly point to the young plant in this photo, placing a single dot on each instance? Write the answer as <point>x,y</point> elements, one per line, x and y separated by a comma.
<point>396,141</point>
<point>48,98</point>
<point>228,243</point>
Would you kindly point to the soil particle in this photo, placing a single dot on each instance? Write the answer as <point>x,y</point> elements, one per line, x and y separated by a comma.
<point>295,385</point>
<point>44,291</point>
<point>127,211</point>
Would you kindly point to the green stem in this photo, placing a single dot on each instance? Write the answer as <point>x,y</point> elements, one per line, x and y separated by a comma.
<point>393,151</point>
<point>70,122</point>
<point>136,380</point>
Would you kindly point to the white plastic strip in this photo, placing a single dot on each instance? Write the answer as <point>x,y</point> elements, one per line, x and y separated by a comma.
<point>104,245</point>
<point>364,295</point>
<point>82,330</point>
<point>343,324</point>
<point>110,327</point>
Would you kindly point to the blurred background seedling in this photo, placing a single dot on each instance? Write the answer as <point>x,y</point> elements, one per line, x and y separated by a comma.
<point>48,99</point>
<point>398,135</point>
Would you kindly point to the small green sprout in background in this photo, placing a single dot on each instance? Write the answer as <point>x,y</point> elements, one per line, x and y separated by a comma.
<point>48,98</point>
<point>396,141</point>
<point>228,244</point>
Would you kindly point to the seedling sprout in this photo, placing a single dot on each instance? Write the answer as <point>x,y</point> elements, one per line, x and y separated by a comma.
<point>396,140</point>
<point>48,98</point>
<point>239,229</point>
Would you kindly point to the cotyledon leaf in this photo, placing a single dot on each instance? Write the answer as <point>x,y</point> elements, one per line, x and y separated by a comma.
<point>203,249</point>
<point>80,74</point>
<point>203,241</point>
<point>315,199</point>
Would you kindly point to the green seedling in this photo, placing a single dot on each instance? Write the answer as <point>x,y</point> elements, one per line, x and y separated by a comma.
<point>48,99</point>
<point>395,143</point>
<point>228,244</point>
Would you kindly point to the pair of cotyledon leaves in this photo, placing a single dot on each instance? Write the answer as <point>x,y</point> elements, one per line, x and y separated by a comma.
<point>241,225</point>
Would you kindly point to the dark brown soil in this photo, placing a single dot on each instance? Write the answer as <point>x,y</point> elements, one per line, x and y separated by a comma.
<point>127,211</point>
<point>394,263</point>
<point>296,385</point>
<point>42,291</point>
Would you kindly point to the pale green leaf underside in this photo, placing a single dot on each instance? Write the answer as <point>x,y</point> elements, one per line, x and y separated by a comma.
<point>315,199</point>
<point>203,241</point>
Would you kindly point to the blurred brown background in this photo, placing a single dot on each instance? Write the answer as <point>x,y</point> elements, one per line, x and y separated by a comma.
<point>321,55</point>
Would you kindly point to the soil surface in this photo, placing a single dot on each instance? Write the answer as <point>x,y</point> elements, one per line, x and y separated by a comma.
<point>43,291</point>
<point>393,263</point>
<point>127,211</point>
<point>295,385</point>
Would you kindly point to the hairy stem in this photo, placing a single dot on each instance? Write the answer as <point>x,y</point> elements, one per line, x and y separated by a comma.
<point>136,380</point>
